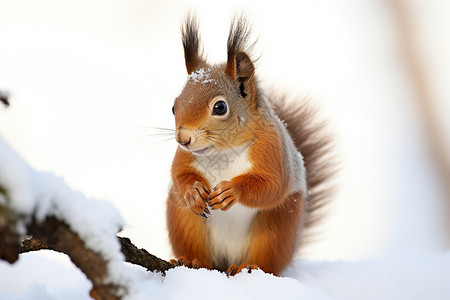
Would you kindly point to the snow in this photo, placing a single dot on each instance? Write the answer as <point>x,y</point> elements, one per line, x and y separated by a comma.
<point>201,76</point>
<point>35,276</point>
<point>402,277</point>
<point>416,278</point>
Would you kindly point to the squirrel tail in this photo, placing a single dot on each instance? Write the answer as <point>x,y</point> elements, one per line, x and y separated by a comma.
<point>314,142</point>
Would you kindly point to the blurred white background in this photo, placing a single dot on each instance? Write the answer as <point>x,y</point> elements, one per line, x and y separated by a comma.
<point>89,78</point>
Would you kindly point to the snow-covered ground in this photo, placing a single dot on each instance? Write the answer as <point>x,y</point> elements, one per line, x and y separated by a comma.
<point>39,277</point>
<point>88,79</point>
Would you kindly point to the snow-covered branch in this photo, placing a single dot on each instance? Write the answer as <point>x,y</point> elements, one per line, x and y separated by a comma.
<point>93,264</point>
<point>133,254</point>
<point>54,234</point>
<point>42,205</point>
<point>59,218</point>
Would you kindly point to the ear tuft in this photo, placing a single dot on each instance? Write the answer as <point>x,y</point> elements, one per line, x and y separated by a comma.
<point>237,47</point>
<point>191,43</point>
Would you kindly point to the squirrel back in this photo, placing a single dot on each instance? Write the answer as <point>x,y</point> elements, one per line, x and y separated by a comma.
<point>245,184</point>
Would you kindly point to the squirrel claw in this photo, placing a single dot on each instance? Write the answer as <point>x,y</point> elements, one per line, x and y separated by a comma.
<point>231,271</point>
<point>223,196</point>
<point>183,261</point>
<point>195,198</point>
<point>177,262</point>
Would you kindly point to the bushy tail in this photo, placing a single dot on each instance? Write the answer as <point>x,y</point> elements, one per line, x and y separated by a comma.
<point>315,144</point>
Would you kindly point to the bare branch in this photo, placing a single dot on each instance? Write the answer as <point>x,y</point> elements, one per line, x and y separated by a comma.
<point>142,258</point>
<point>132,254</point>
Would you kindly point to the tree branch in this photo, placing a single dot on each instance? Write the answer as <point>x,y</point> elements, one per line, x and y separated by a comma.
<point>142,258</point>
<point>132,254</point>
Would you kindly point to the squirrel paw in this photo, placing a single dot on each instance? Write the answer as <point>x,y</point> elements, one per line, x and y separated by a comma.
<point>196,199</point>
<point>183,261</point>
<point>233,269</point>
<point>223,196</point>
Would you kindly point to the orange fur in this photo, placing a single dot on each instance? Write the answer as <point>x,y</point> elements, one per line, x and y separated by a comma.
<point>265,186</point>
<point>273,235</point>
<point>187,234</point>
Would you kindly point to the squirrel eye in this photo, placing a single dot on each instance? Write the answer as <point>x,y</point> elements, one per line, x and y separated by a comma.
<point>220,108</point>
<point>173,110</point>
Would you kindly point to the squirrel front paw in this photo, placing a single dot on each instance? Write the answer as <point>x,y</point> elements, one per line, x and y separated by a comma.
<point>223,196</point>
<point>196,199</point>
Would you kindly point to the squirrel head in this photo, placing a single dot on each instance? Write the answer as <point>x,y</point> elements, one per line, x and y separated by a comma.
<point>216,108</point>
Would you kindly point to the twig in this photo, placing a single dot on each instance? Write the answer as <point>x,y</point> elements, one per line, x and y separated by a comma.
<point>142,258</point>
<point>132,254</point>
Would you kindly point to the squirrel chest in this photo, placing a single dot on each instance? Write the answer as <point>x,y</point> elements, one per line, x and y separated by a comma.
<point>228,231</point>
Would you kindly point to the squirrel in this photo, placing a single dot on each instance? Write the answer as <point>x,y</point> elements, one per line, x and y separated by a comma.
<point>245,185</point>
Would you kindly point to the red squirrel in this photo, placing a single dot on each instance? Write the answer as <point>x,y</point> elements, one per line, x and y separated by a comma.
<point>245,184</point>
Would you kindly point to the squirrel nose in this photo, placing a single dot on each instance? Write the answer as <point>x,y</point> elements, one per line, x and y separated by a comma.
<point>184,136</point>
<point>185,143</point>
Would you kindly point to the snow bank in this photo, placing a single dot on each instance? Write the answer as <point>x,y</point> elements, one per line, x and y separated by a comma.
<point>41,195</point>
<point>408,277</point>
<point>427,277</point>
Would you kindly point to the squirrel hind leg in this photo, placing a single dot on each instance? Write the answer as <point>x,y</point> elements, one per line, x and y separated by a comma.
<point>274,250</point>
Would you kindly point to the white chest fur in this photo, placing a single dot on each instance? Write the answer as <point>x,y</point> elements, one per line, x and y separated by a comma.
<point>228,230</point>
<point>223,165</point>
<point>229,234</point>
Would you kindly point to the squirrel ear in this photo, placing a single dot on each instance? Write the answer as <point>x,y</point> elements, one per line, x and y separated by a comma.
<point>191,44</point>
<point>244,66</point>
<point>241,68</point>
